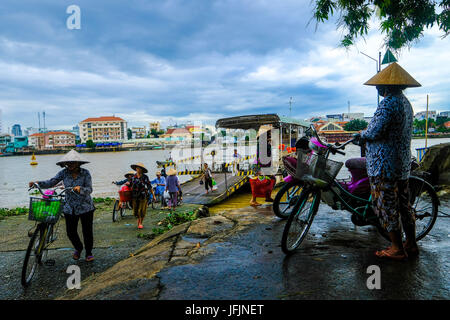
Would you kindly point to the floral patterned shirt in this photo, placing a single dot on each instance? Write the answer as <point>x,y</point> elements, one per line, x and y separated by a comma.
<point>388,139</point>
<point>75,203</point>
<point>140,186</point>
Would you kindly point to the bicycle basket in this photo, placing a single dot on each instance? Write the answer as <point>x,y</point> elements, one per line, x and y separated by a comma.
<point>44,210</point>
<point>313,165</point>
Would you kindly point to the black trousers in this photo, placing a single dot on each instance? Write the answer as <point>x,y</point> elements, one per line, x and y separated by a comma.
<point>208,183</point>
<point>87,220</point>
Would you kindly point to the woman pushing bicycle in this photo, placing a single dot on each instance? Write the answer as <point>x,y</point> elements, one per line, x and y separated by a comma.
<point>77,206</point>
<point>388,155</point>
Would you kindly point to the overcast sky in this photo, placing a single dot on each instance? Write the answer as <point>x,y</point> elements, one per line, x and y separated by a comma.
<point>177,60</point>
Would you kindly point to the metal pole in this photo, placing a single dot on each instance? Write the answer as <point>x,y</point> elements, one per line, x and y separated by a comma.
<point>426,126</point>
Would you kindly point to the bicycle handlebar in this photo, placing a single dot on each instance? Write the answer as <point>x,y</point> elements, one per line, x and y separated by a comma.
<point>35,185</point>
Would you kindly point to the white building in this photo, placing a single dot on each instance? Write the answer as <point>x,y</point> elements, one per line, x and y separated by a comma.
<point>352,116</point>
<point>422,115</point>
<point>103,129</point>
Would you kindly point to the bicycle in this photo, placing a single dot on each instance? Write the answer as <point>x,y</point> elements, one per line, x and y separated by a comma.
<point>46,211</point>
<point>317,176</point>
<point>121,205</point>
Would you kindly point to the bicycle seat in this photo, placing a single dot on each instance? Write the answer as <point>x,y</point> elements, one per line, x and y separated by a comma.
<point>356,163</point>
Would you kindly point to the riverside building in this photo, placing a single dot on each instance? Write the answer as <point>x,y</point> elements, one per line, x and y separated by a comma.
<point>103,129</point>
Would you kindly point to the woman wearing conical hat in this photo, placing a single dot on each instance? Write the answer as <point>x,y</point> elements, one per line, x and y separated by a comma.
<point>388,155</point>
<point>78,205</point>
<point>141,188</point>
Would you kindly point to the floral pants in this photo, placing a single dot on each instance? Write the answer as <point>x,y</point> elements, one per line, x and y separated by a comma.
<point>390,201</point>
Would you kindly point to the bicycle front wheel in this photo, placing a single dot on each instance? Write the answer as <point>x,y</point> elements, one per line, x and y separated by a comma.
<point>300,220</point>
<point>116,214</point>
<point>286,199</point>
<point>424,205</point>
<point>33,255</point>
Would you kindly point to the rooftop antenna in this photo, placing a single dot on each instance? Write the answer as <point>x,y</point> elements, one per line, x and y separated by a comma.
<point>290,107</point>
<point>43,115</point>
<point>39,120</point>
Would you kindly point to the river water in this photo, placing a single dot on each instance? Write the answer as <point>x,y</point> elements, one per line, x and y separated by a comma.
<point>16,172</point>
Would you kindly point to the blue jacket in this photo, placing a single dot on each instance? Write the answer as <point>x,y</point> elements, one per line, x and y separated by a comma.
<point>388,139</point>
<point>159,189</point>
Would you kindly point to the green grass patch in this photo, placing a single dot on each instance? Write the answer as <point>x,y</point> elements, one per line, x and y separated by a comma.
<point>4,212</point>
<point>173,219</point>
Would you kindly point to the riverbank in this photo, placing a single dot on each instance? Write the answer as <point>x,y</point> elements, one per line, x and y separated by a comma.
<point>113,242</point>
<point>80,150</point>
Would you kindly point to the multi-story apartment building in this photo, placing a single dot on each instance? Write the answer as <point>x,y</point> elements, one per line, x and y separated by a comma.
<point>155,125</point>
<point>52,140</point>
<point>139,132</point>
<point>103,129</point>
<point>36,141</point>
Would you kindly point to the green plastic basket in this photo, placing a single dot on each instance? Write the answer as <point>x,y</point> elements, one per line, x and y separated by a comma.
<point>44,210</point>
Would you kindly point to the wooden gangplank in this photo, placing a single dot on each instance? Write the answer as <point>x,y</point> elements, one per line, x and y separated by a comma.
<point>194,192</point>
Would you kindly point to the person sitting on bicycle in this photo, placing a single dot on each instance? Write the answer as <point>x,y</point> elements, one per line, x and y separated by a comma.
<point>77,206</point>
<point>160,182</point>
<point>388,158</point>
<point>128,177</point>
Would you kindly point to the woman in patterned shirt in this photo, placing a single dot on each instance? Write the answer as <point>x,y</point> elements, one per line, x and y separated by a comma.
<point>78,204</point>
<point>388,155</point>
<point>141,188</point>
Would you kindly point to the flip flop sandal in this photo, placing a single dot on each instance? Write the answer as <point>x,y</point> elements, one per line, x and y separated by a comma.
<point>89,258</point>
<point>384,255</point>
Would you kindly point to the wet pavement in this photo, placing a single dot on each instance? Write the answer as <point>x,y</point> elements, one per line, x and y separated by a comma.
<point>113,242</point>
<point>330,264</point>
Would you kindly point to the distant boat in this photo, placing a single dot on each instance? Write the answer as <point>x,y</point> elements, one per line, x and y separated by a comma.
<point>33,160</point>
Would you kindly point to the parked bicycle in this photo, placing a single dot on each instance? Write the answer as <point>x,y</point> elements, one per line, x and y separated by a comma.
<point>46,211</point>
<point>316,175</point>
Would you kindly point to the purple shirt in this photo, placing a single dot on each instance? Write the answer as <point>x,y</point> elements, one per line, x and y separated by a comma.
<point>172,183</point>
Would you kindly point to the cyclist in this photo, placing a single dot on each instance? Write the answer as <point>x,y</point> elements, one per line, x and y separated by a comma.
<point>160,186</point>
<point>76,207</point>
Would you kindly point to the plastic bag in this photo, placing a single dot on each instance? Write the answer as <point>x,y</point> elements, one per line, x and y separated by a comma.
<point>166,195</point>
<point>214,185</point>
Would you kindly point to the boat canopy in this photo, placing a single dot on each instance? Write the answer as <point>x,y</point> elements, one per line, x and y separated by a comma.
<point>256,121</point>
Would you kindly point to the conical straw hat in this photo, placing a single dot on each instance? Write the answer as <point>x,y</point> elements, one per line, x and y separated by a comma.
<point>72,156</point>
<point>139,164</point>
<point>172,172</point>
<point>393,75</point>
<point>130,173</point>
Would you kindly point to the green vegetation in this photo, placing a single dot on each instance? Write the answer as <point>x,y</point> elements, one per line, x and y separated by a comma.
<point>173,219</point>
<point>356,125</point>
<point>129,134</point>
<point>106,200</point>
<point>403,22</point>
<point>90,144</point>
<point>4,212</point>
<point>438,125</point>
